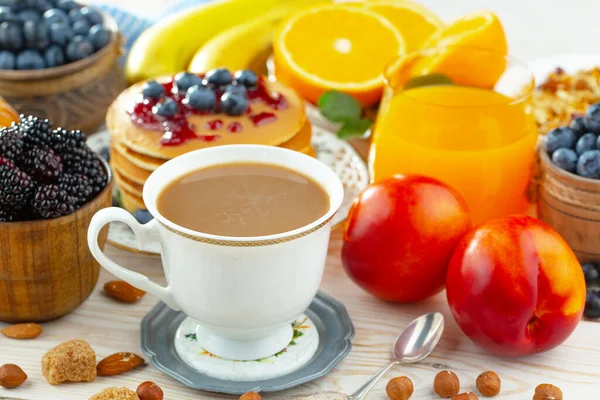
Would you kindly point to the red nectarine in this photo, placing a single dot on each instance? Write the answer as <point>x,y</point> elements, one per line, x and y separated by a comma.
<point>400,236</point>
<point>515,287</point>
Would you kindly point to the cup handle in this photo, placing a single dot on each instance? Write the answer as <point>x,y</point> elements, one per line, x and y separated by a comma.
<point>144,233</point>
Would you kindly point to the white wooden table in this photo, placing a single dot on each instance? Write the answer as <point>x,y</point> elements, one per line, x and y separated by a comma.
<point>111,327</point>
<point>535,28</point>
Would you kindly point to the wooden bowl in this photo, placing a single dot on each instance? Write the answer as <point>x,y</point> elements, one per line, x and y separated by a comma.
<point>46,268</point>
<point>571,205</point>
<point>72,96</point>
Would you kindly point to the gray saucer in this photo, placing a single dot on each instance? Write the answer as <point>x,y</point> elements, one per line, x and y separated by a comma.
<point>329,316</point>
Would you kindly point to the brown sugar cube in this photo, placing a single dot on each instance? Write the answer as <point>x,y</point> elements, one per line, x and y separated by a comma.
<point>72,361</point>
<point>116,393</point>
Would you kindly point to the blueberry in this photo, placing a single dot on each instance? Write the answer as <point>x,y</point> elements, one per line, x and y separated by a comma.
<point>41,5</point>
<point>67,5</point>
<point>55,16</point>
<point>30,59</point>
<point>588,164</point>
<point>586,143</point>
<point>592,303</point>
<point>577,125</point>
<point>12,4</point>
<point>36,34</point>
<point>560,137</point>
<point>54,56</point>
<point>565,158</point>
<point>201,98</point>
<point>236,89</point>
<point>590,272</point>
<point>29,15</point>
<point>246,78</point>
<point>6,14</point>
<point>219,77</point>
<point>81,27</point>
<point>7,60</point>
<point>185,80</point>
<point>11,35</point>
<point>99,36</point>
<point>60,34</point>
<point>153,90</point>
<point>92,15</point>
<point>143,216</point>
<point>592,118</point>
<point>79,48</point>
<point>76,15</point>
<point>233,104</point>
<point>166,108</point>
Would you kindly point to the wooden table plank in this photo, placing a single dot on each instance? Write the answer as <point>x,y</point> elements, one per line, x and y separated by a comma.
<point>110,327</point>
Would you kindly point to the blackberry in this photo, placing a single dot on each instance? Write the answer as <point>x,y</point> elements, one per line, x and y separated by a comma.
<point>79,187</point>
<point>50,201</point>
<point>36,132</point>
<point>85,162</point>
<point>16,187</point>
<point>64,140</point>
<point>42,164</point>
<point>8,216</point>
<point>11,142</point>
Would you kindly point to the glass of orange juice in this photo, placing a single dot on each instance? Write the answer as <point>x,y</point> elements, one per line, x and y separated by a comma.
<point>462,116</point>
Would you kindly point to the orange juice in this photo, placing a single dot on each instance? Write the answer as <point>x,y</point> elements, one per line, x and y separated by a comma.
<point>478,141</point>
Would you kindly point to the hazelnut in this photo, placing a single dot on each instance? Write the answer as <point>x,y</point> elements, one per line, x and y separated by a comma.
<point>149,391</point>
<point>446,384</point>
<point>465,396</point>
<point>546,391</point>
<point>251,396</point>
<point>488,384</point>
<point>399,388</point>
<point>12,375</point>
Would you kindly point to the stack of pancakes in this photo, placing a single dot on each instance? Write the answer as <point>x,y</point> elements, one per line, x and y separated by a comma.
<point>137,151</point>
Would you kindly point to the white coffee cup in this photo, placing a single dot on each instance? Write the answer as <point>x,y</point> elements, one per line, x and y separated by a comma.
<point>244,292</point>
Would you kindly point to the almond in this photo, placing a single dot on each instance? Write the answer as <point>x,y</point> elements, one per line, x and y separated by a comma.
<point>11,376</point>
<point>123,291</point>
<point>118,363</point>
<point>149,391</point>
<point>23,331</point>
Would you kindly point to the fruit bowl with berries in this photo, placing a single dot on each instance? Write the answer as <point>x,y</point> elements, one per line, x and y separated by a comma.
<point>59,60</point>
<point>51,184</point>
<point>569,184</point>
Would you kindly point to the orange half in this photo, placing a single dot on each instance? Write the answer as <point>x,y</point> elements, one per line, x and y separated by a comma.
<point>415,22</point>
<point>482,31</point>
<point>336,47</point>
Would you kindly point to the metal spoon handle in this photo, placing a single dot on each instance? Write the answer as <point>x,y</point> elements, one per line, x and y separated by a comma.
<point>362,391</point>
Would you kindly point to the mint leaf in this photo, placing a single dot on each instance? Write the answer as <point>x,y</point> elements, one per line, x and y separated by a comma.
<point>354,127</point>
<point>339,107</point>
<point>428,80</point>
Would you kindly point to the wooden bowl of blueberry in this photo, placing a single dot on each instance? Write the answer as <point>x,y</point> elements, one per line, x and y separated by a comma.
<point>51,184</point>
<point>59,60</point>
<point>569,187</point>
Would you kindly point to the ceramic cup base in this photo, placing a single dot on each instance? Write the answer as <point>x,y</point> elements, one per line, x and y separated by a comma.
<point>191,347</point>
<point>244,350</point>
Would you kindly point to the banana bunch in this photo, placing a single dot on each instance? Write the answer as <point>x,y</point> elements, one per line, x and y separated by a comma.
<point>236,34</point>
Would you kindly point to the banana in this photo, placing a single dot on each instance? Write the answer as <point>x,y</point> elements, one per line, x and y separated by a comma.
<point>246,45</point>
<point>168,46</point>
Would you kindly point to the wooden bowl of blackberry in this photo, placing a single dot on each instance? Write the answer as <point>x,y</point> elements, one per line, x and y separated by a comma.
<point>51,184</point>
<point>59,60</point>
